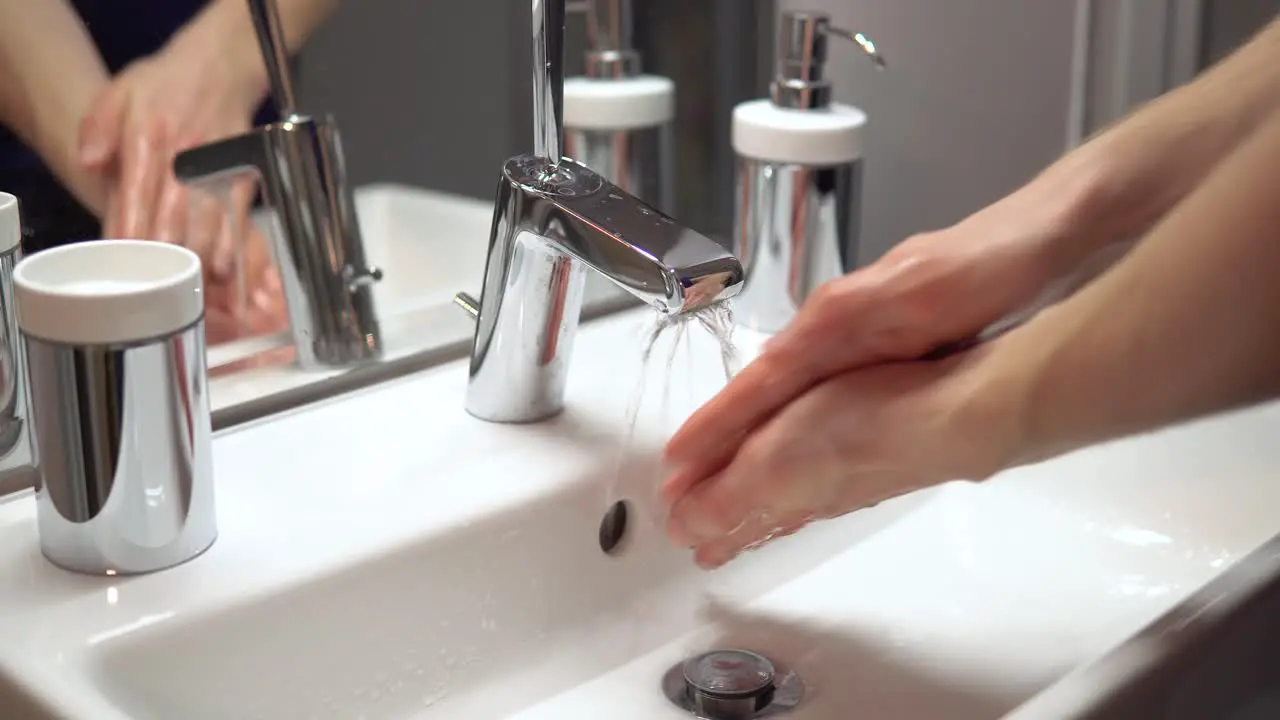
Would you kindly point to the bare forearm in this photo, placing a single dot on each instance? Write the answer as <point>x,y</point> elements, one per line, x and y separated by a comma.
<point>1186,325</point>
<point>1114,187</point>
<point>50,73</point>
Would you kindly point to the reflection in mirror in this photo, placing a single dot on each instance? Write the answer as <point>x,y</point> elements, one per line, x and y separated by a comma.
<point>331,264</point>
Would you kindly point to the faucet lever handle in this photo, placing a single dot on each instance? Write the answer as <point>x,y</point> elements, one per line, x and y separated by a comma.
<point>468,303</point>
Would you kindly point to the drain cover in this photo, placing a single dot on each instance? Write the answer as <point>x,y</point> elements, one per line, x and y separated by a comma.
<point>732,685</point>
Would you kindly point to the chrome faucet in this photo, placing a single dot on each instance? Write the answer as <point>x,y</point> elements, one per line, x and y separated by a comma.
<point>552,218</point>
<point>317,245</point>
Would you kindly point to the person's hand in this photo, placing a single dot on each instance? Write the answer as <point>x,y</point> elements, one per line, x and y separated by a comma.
<point>194,91</point>
<point>848,443</point>
<point>257,307</point>
<point>184,95</point>
<point>930,291</point>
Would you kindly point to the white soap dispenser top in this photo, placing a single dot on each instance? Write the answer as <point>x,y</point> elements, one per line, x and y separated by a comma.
<point>799,122</point>
<point>798,178</point>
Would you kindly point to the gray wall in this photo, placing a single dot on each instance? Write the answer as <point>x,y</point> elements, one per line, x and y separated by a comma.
<point>1227,23</point>
<point>426,93</point>
<point>973,103</point>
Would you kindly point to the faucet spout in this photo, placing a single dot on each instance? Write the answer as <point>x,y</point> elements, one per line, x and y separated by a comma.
<point>554,217</point>
<point>316,242</point>
<point>550,222</point>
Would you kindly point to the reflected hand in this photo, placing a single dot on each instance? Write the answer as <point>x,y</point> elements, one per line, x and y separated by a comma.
<point>190,93</point>
<point>850,442</point>
<point>176,99</point>
<point>260,309</point>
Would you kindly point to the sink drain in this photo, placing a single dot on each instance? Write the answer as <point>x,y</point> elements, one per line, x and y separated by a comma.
<point>732,685</point>
<point>613,528</point>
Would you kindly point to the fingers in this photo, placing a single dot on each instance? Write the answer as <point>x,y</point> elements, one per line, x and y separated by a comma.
<point>767,474</point>
<point>220,326</point>
<point>758,531</point>
<point>228,319</point>
<point>172,213</point>
<point>100,129</point>
<point>821,340</point>
<point>247,236</point>
<point>142,172</point>
<point>768,491</point>
<point>205,221</point>
<point>837,448</point>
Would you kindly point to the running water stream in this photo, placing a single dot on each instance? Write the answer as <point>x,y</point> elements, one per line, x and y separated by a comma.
<point>717,322</point>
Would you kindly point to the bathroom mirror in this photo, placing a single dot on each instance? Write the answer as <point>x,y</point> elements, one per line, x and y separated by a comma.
<point>430,99</point>
<point>423,139</point>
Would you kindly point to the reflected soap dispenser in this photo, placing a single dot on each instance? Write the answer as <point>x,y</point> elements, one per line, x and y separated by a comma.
<point>797,191</point>
<point>617,120</point>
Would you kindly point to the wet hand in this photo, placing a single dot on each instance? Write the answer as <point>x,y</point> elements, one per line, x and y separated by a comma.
<point>154,108</point>
<point>930,291</point>
<point>190,93</point>
<point>847,443</point>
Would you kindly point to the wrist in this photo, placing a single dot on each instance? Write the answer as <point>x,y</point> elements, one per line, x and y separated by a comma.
<point>987,401</point>
<point>1036,229</point>
<point>222,36</point>
<point>1066,211</point>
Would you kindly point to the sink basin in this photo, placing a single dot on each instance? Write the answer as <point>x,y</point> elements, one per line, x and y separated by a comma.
<point>429,245</point>
<point>385,556</point>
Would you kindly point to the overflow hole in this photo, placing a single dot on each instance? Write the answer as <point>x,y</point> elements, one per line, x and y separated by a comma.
<point>613,528</point>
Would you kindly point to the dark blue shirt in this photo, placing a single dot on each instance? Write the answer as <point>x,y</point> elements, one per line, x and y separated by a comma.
<point>124,31</point>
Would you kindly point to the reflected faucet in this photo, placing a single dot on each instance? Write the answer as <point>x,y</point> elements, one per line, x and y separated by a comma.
<point>316,245</point>
<point>553,217</point>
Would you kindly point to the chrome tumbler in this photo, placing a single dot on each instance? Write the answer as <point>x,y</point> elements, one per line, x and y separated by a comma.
<point>114,334</point>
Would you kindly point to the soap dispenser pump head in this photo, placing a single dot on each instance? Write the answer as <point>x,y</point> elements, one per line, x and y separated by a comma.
<point>801,57</point>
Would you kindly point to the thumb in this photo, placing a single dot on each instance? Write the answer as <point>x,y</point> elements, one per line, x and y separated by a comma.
<point>101,127</point>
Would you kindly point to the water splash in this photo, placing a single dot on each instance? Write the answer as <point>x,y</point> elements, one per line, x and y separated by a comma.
<point>717,321</point>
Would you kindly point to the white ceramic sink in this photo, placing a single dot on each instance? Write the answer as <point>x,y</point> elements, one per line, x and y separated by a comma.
<point>385,556</point>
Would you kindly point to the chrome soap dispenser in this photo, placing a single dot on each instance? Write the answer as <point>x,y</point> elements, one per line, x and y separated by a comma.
<point>617,120</point>
<point>798,177</point>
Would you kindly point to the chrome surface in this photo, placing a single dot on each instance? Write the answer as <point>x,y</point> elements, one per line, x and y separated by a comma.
<point>613,64</point>
<point>275,54</point>
<point>638,161</point>
<point>610,24</point>
<point>316,242</point>
<point>13,379</point>
<point>610,37</point>
<point>732,685</point>
<point>801,56</point>
<point>548,78</point>
<point>553,217</point>
<point>550,223</point>
<point>16,471</point>
<point>123,450</point>
<point>797,228</point>
<point>718,54</point>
